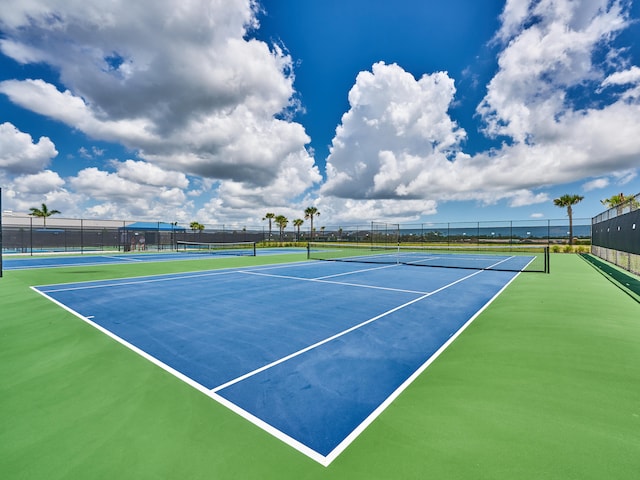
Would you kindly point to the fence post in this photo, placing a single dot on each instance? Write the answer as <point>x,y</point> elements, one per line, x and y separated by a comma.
<point>510,232</point>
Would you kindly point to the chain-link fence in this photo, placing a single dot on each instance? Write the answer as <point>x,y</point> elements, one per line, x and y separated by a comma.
<point>556,232</point>
<point>27,234</point>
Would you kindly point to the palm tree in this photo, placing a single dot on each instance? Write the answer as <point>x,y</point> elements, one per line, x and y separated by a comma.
<point>269,216</point>
<point>43,212</point>
<point>309,213</point>
<point>282,222</point>
<point>568,201</point>
<point>619,202</point>
<point>298,223</point>
<point>196,226</point>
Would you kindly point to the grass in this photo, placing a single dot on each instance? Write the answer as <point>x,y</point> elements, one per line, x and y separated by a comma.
<point>544,384</point>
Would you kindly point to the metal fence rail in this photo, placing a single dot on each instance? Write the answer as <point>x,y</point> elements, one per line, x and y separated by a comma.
<point>616,235</point>
<point>630,205</point>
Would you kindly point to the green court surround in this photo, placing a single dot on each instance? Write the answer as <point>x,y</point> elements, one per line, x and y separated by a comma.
<point>545,383</point>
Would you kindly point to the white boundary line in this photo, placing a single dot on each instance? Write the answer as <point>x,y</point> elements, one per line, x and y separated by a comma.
<point>165,276</point>
<point>394,265</point>
<point>360,428</point>
<point>212,393</point>
<point>189,381</point>
<point>339,334</point>
<point>122,260</point>
<point>162,277</point>
<point>326,460</point>
<point>121,340</point>
<point>346,284</point>
<point>141,280</point>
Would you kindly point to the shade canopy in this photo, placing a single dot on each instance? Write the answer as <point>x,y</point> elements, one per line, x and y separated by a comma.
<point>153,226</point>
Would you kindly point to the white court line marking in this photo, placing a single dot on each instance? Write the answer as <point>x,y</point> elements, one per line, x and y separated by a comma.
<point>326,460</point>
<point>331,456</point>
<point>137,282</point>
<point>356,271</point>
<point>58,265</point>
<point>152,258</point>
<point>123,259</point>
<point>292,442</point>
<point>282,265</point>
<point>163,276</point>
<point>472,259</point>
<point>346,284</point>
<point>340,334</point>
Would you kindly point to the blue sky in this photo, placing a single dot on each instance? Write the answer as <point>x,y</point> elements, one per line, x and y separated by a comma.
<point>404,111</point>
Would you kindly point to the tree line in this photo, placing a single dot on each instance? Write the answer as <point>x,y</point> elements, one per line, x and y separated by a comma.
<point>282,221</point>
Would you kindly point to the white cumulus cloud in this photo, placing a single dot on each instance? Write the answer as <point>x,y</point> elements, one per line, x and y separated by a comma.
<point>19,154</point>
<point>39,183</point>
<point>128,197</point>
<point>31,190</point>
<point>596,184</point>
<point>149,174</point>
<point>189,92</point>
<point>204,110</point>
<point>396,129</point>
<point>398,140</point>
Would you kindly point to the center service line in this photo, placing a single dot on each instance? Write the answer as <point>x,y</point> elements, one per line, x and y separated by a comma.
<point>337,335</point>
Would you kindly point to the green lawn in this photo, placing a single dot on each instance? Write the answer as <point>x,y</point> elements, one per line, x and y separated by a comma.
<point>544,384</point>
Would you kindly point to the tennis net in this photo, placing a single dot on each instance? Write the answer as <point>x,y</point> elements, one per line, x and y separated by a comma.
<point>510,258</point>
<point>225,248</point>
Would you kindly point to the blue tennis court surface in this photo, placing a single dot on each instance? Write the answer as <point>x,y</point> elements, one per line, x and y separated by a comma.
<point>312,352</point>
<point>22,263</point>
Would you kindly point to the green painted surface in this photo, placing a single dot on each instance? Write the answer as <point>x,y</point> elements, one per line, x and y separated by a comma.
<point>544,384</point>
